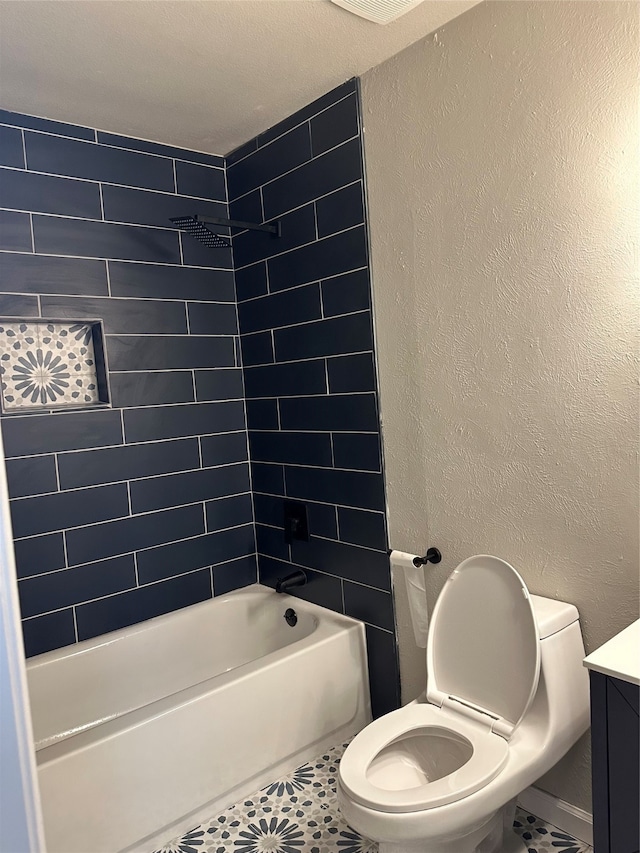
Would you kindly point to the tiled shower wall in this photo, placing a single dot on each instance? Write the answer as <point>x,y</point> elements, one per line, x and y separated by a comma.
<point>122,514</point>
<point>304,307</point>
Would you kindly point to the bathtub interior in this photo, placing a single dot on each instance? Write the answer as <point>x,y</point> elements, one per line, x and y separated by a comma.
<point>74,689</point>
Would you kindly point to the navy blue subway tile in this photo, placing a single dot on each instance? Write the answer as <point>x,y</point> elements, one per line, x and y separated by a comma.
<point>321,517</point>
<point>262,414</point>
<point>235,574</point>
<point>251,281</point>
<point>334,125</point>
<point>124,316</point>
<point>314,179</point>
<point>183,421</point>
<point>39,274</point>
<point>219,384</point>
<point>267,478</point>
<point>148,352</point>
<point>60,128</point>
<point>268,162</point>
<point>241,151</point>
<point>280,309</point>
<point>210,318</point>
<point>196,254</point>
<point>383,658</point>
<point>181,557</point>
<point>189,487</point>
<point>369,605</point>
<point>308,111</point>
<point>158,148</point>
<point>229,512</point>
<point>270,541</point>
<point>165,282</point>
<point>297,228</point>
<point>26,436</point>
<point>129,608</point>
<point>269,510</point>
<point>362,490</point>
<point>61,510</point>
<point>295,448</point>
<point>46,633</point>
<point>126,535</point>
<point>257,349</point>
<point>16,305</point>
<point>97,162</point>
<point>346,561</point>
<point>11,152</point>
<point>128,462</point>
<point>356,451</point>
<point>286,380</point>
<point>145,207</point>
<point>39,554</point>
<point>15,231</point>
<point>345,294</point>
<point>331,256</point>
<point>224,449</point>
<point>247,208</point>
<point>351,373</point>
<point>336,413</point>
<point>33,475</point>
<point>62,589</point>
<point>200,181</point>
<point>362,528</point>
<point>340,210</point>
<point>83,238</point>
<point>351,333</point>
<point>321,589</point>
<point>47,194</point>
<point>149,389</point>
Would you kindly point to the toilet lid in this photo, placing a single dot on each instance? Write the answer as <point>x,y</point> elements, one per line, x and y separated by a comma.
<point>483,648</point>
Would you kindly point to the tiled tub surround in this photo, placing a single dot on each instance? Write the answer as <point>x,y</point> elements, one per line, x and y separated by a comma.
<point>120,515</point>
<point>174,728</point>
<point>304,310</point>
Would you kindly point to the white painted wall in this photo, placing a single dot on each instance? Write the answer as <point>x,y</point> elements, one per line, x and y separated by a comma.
<point>503,160</point>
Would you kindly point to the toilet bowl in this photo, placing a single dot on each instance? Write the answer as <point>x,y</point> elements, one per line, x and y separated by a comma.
<point>506,697</point>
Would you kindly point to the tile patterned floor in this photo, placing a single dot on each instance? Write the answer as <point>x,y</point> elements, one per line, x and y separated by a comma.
<point>299,812</point>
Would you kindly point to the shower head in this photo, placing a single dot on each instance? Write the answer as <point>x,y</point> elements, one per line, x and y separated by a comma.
<point>193,226</point>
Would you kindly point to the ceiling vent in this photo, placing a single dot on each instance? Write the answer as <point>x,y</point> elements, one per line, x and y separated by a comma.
<point>379,11</point>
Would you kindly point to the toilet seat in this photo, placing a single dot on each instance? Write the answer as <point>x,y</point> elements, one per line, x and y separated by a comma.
<point>489,754</point>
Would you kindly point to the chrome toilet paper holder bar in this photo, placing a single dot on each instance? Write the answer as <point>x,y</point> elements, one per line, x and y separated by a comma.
<point>433,555</point>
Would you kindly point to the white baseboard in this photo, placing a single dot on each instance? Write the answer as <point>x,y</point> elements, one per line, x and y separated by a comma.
<point>566,817</point>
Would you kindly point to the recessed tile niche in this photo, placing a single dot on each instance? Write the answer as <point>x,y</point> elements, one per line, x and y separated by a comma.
<point>51,364</point>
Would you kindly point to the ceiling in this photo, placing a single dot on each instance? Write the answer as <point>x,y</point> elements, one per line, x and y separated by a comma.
<point>201,74</point>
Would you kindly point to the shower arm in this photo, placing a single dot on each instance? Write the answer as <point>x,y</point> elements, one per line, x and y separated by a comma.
<point>236,223</point>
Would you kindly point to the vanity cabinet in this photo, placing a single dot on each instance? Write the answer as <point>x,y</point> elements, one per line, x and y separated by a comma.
<point>615,740</point>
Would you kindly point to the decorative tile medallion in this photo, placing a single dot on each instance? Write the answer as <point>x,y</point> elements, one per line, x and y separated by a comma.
<point>299,812</point>
<point>47,364</point>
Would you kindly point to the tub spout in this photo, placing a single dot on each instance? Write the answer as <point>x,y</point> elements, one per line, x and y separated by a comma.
<point>288,582</point>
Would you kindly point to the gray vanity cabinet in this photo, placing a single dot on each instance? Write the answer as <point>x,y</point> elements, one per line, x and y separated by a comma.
<point>615,739</point>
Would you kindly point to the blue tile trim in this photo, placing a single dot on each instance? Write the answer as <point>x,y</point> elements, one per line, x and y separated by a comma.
<point>161,150</point>
<point>59,128</point>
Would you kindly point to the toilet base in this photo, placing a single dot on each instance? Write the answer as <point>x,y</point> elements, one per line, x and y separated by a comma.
<point>496,836</point>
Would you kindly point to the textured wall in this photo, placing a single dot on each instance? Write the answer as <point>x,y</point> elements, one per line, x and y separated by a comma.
<point>304,308</point>
<point>502,160</point>
<point>125,513</point>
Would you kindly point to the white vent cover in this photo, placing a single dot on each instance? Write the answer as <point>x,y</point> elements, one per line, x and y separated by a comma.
<point>379,11</point>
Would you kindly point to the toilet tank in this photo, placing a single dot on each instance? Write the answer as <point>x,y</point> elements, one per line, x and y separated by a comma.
<point>552,616</point>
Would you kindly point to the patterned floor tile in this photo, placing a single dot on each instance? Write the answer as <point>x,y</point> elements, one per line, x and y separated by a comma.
<point>299,812</point>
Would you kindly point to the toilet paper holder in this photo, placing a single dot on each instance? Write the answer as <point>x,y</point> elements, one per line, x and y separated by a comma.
<point>432,556</point>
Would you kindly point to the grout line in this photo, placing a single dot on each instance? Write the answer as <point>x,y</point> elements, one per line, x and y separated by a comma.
<point>315,220</point>
<point>75,623</point>
<point>135,568</point>
<point>24,152</point>
<point>337,515</point>
<point>297,286</point>
<point>55,462</point>
<point>173,266</point>
<point>288,130</point>
<point>342,594</point>
<point>266,270</point>
<point>101,201</point>
<point>124,435</point>
<point>39,305</point>
<point>142,550</point>
<point>106,263</point>
<point>204,518</point>
<point>180,247</point>
<point>327,389</point>
<point>105,297</point>
<point>33,239</point>
<point>213,593</point>
<point>200,451</point>
<point>333,458</point>
<point>175,177</point>
<point>132,480</point>
<point>186,311</point>
<point>129,497</point>
<point>278,414</point>
<point>64,548</point>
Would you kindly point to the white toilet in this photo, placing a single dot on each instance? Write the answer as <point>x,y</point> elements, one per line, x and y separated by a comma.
<point>506,698</point>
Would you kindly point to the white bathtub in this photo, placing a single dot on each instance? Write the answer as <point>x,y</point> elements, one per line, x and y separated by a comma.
<point>143,732</point>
